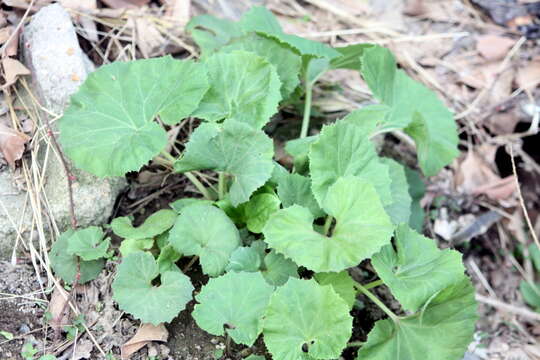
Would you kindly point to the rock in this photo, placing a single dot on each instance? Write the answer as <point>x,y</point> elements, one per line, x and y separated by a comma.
<point>58,66</point>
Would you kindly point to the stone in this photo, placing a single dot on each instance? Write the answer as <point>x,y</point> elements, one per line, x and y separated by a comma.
<point>58,66</point>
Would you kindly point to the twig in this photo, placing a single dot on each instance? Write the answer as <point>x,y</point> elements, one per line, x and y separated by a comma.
<point>190,264</point>
<point>520,196</point>
<point>508,307</point>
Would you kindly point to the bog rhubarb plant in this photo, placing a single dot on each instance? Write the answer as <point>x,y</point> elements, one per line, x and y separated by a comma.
<point>277,244</point>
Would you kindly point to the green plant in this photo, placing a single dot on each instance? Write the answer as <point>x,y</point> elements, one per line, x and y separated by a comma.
<point>262,230</point>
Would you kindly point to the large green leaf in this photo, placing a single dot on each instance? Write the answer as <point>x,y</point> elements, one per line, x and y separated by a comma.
<point>342,283</point>
<point>262,21</point>
<point>414,108</point>
<point>109,128</point>
<point>442,331</point>
<point>418,269</point>
<point>88,243</point>
<point>305,318</point>
<point>296,189</point>
<point>134,292</point>
<point>236,302</point>
<point>64,264</point>
<point>343,149</point>
<point>243,87</point>
<point>258,209</point>
<point>155,224</point>
<point>285,60</point>
<point>236,149</point>
<point>362,228</point>
<point>400,207</point>
<point>212,33</point>
<point>204,230</point>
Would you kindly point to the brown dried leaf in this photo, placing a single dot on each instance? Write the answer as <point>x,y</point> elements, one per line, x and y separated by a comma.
<point>415,8</point>
<point>82,350</point>
<point>13,45</point>
<point>57,308</point>
<point>12,144</point>
<point>117,4</point>
<point>12,69</point>
<point>500,189</point>
<point>145,334</point>
<point>493,47</point>
<point>179,11</point>
<point>83,6</point>
<point>474,171</point>
<point>528,76</point>
<point>148,38</point>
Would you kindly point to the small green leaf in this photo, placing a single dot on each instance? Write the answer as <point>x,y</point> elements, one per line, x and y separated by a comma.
<point>234,302</point>
<point>251,85</point>
<point>414,108</point>
<point>6,334</point>
<point>205,231</point>
<point>64,264</point>
<point>276,269</point>
<point>350,57</point>
<point>155,224</point>
<point>284,59</point>
<point>135,294</point>
<point>48,357</point>
<point>258,209</point>
<point>167,259</point>
<point>129,246</point>
<point>109,127</point>
<point>442,331</point>
<point>179,204</point>
<point>362,228</point>
<point>418,270</point>
<point>530,293</point>
<point>255,357</point>
<point>400,207</point>
<point>305,318</point>
<point>534,253</point>
<point>344,149</point>
<point>212,33</point>
<point>88,243</point>
<point>236,149</point>
<point>244,259</point>
<point>296,189</point>
<point>299,148</point>
<point>417,189</point>
<point>341,282</point>
<point>28,351</point>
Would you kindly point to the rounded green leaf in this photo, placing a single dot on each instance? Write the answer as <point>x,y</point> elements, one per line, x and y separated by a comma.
<point>305,318</point>
<point>109,128</point>
<point>167,258</point>
<point>135,294</point>
<point>342,283</point>
<point>155,224</point>
<point>243,87</point>
<point>277,269</point>
<point>204,230</point>
<point>236,302</point>
<point>88,243</point>
<point>442,331</point>
<point>234,148</point>
<point>244,259</point>
<point>418,270</point>
<point>258,209</point>
<point>343,149</point>
<point>64,264</point>
<point>362,228</point>
<point>128,246</point>
<point>296,189</point>
<point>285,60</point>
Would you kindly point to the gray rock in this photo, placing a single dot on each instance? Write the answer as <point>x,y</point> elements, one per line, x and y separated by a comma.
<point>58,65</point>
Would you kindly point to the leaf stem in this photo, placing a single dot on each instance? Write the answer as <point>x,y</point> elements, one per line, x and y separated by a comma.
<point>190,264</point>
<point>373,284</point>
<point>168,156</point>
<point>377,302</point>
<point>221,185</point>
<point>327,224</point>
<point>203,190</point>
<point>307,107</point>
<point>355,344</point>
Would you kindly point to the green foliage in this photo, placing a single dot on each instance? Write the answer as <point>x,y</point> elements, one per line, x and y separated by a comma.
<point>263,228</point>
<point>304,317</point>
<point>65,263</point>
<point>134,292</point>
<point>224,305</point>
<point>114,110</point>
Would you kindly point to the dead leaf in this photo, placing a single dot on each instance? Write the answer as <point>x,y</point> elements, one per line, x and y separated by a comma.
<point>502,123</point>
<point>82,350</point>
<point>493,47</point>
<point>500,189</point>
<point>57,308</point>
<point>148,38</point>
<point>145,334</point>
<point>475,171</point>
<point>13,45</point>
<point>12,144</point>
<point>118,4</point>
<point>528,76</point>
<point>414,8</point>
<point>24,4</point>
<point>83,6</point>
<point>12,69</point>
<point>179,11</point>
